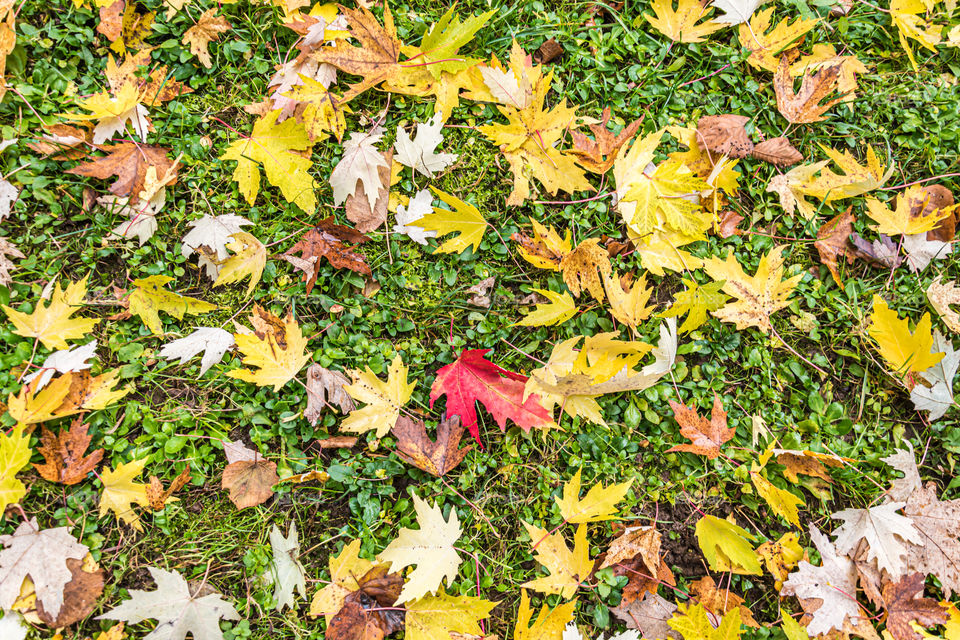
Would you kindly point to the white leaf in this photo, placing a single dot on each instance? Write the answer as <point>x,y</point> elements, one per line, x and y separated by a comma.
<point>287,572</point>
<point>175,609</point>
<point>938,397</point>
<point>920,251</point>
<point>214,233</point>
<point>360,163</point>
<point>8,195</point>
<point>325,388</point>
<point>828,583</point>
<point>63,361</point>
<point>880,527</point>
<point>42,555</point>
<point>12,627</point>
<point>236,451</point>
<point>419,206</point>
<point>420,153</point>
<point>735,11</point>
<point>904,461</point>
<point>666,350</point>
<point>212,341</point>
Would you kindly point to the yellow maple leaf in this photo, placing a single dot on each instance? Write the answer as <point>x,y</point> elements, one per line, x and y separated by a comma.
<point>598,505</point>
<point>528,141</point>
<point>906,16</point>
<point>384,399</point>
<point>904,351</point>
<point>549,624</point>
<point>766,44</point>
<point>273,146</point>
<point>560,364</point>
<point>668,199</point>
<point>661,250</point>
<point>692,623</point>
<point>345,569</point>
<point>445,616</point>
<point>902,220</point>
<point>546,248</point>
<point>680,24</point>
<point>92,393</point>
<point>276,349</point>
<point>824,55</point>
<point>325,111</point>
<point>248,259</point>
<point>727,547</point>
<point>135,27</point>
<point>113,112</point>
<point>14,456</point>
<point>121,492</point>
<point>150,298</point>
<point>559,308</point>
<point>781,557</point>
<point>464,218</point>
<point>581,265</point>
<point>630,306</point>
<point>757,296</point>
<point>206,30</point>
<point>52,325</point>
<point>781,502</point>
<point>30,406</point>
<point>568,569</point>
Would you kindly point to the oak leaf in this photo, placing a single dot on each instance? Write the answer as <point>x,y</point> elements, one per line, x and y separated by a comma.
<point>463,218</point>
<point>568,568</point>
<point>384,400</point>
<point>276,348</point>
<point>431,548</point>
<point>52,324</point>
<point>436,457</point>
<point>43,556</point>
<point>758,296</point>
<point>150,297</point>
<point>176,608</point>
<point>330,241</point>
<point>706,437</point>
<point>471,378</point>
<point>206,30</point>
<point>65,459</point>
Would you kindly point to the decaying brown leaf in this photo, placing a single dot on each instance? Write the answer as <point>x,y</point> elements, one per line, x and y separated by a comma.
<point>777,151</point>
<point>812,100</point>
<point>883,252</point>
<point>80,595</point>
<point>642,542</point>
<point>328,240</point>
<point>206,30</point>
<point>599,154</point>
<point>729,221</point>
<point>64,454</point>
<point>359,211</point>
<point>325,389</point>
<point>724,134</point>
<point>833,242</point>
<point>904,604</point>
<point>367,613</point>
<point>63,142</point>
<point>129,162</point>
<point>706,436</point>
<point>549,51</point>
<point>436,457</point>
<point>933,198</point>
<point>719,602</point>
<point>250,482</point>
<point>158,496</point>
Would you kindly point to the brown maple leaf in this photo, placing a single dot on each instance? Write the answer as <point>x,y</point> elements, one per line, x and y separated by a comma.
<point>158,87</point>
<point>806,105</point>
<point>650,615</point>
<point>729,220</point>
<point>129,163</point>
<point>724,134</point>
<point>777,151</point>
<point>938,522</point>
<point>599,154</point>
<point>64,454</point>
<point>719,602</point>
<point>250,482</point>
<point>833,242</point>
<point>436,457</point>
<point>904,605</point>
<point>377,59</point>
<point>642,542</point>
<point>158,496</point>
<point>327,240</point>
<point>368,613</point>
<point>325,389</point>
<point>706,436</point>
<point>80,595</point>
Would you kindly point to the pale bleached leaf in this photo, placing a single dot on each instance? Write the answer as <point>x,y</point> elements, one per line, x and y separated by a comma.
<point>287,573</point>
<point>921,252</point>
<point>884,531</point>
<point>904,461</point>
<point>735,11</point>
<point>212,232</point>
<point>420,153</point>
<point>12,626</point>
<point>213,342</point>
<point>8,195</point>
<point>63,361</point>
<point>360,163</point>
<point>407,216</point>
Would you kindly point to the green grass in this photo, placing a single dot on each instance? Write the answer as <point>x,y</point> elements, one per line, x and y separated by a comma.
<point>911,117</point>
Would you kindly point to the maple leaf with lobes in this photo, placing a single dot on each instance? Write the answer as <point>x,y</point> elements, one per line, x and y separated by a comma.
<point>472,378</point>
<point>706,436</point>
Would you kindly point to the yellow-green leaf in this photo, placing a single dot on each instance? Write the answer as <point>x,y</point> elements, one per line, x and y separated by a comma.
<point>150,298</point>
<point>14,456</point>
<point>560,308</point>
<point>904,350</point>
<point>599,504</point>
<point>464,218</point>
<point>727,546</point>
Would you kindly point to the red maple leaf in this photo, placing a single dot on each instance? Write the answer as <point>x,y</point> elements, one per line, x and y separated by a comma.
<point>473,378</point>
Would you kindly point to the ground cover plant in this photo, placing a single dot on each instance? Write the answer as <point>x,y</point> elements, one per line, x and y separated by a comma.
<point>519,320</point>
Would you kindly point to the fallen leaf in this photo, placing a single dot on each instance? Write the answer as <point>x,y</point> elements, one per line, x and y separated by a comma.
<point>150,297</point>
<point>650,615</point>
<point>904,350</point>
<point>942,296</point>
<point>464,218</point>
<point>208,238</point>
<point>642,542</point>
<point>546,249</point>
<point>250,482</point>
<point>905,606</point>
<point>778,152</point>
<point>361,163</point>
<point>719,602</point>
<point>7,250</point>
<point>121,492</point>
<point>384,400</point>
<point>359,210</point>
<point>598,505</point>
<point>65,459</point>
<point>70,360</point>
<point>833,242</point>
<point>883,529</point>
<point>325,388</point>
<point>806,105</point>
<point>248,260</point>
<point>559,309</point>
<point>725,134</point>
<point>727,547</point>
<point>696,301</point>
<point>212,342</point>
<point>735,11</point>
<point>581,265</point>
<point>443,615</point>
<point>408,215</point>
<point>706,436</point>
<point>330,241</point>
<point>205,30</point>
<point>158,497</point>
<point>52,324</point>
<point>435,457</point>
<point>275,351</point>
<point>80,595</point>
<point>599,154</point>
<point>128,162</point>
<point>549,624</point>
<point>286,571</point>
<point>420,152</point>
<point>568,568</point>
